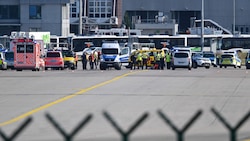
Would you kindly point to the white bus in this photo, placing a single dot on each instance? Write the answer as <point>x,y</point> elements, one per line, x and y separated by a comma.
<point>57,42</point>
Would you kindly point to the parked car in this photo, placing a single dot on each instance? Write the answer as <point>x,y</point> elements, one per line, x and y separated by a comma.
<point>54,60</point>
<point>212,57</point>
<point>230,59</point>
<point>3,63</point>
<point>69,58</point>
<point>181,59</point>
<point>9,58</point>
<point>199,61</point>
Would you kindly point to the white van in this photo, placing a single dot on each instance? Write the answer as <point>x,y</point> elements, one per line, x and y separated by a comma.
<point>181,59</point>
<point>176,49</point>
<point>113,55</point>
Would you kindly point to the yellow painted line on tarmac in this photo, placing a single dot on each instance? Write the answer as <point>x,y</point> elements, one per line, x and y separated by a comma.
<point>64,99</point>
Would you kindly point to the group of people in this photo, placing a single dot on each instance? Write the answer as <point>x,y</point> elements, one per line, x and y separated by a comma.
<point>141,59</point>
<point>137,59</point>
<point>91,59</point>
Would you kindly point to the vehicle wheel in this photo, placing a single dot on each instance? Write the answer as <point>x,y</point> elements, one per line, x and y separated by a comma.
<point>207,67</point>
<point>62,68</point>
<point>220,66</point>
<point>225,66</point>
<point>117,66</point>
<point>103,66</point>
<point>18,69</point>
<point>46,68</point>
<point>73,67</point>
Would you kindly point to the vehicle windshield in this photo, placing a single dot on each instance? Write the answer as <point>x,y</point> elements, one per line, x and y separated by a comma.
<point>53,54</point>
<point>198,55</point>
<point>181,55</point>
<point>68,54</point>
<point>227,56</point>
<point>124,51</point>
<point>110,51</point>
<point>208,55</point>
<point>9,55</point>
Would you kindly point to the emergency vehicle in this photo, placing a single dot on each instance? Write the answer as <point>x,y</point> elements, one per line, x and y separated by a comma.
<point>27,54</point>
<point>112,55</point>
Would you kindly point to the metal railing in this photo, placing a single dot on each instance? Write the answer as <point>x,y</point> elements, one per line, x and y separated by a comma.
<point>125,135</point>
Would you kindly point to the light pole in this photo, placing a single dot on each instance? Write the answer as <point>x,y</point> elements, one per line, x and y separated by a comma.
<point>80,17</point>
<point>202,25</point>
<point>233,17</point>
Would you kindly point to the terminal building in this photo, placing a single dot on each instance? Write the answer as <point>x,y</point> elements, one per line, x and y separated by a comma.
<point>62,17</point>
<point>35,15</point>
<point>166,16</point>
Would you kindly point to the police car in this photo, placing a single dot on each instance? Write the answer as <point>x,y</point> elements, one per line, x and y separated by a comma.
<point>198,60</point>
<point>230,59</point>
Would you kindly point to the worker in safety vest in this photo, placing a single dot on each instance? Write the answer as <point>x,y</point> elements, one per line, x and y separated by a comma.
<point>168,60</point>
<point>139,59</point>
<point>145,58</point>
<point>158,59</point>
<point>162,60</point>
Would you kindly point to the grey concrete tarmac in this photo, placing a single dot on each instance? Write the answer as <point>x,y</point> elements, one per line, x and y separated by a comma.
<point>70,95</point>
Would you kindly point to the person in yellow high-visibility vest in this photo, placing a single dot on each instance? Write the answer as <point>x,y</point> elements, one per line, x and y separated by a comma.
<point>162,54</point>
<point>168,60</point>
<point>139,59</point>
<point>157,60</point>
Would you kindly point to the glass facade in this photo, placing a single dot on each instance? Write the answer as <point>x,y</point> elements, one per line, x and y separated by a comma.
<point>74,13</point>
<point>35,12</point>
<point>100,8</point>
<point>9,12</point>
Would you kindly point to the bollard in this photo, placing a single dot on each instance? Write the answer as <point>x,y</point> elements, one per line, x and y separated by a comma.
<point>180,133</point>
<point>17,131</point>
<point>69,137</point>
<point>125,135</point>
<point>232,130</point>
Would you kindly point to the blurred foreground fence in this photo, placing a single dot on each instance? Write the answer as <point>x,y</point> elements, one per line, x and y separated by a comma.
<point>125,135</point>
